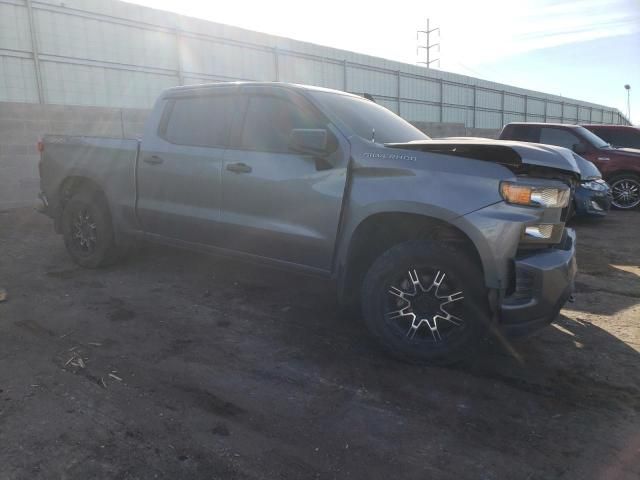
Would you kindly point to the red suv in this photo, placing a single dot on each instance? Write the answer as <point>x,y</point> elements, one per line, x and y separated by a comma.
<point>620,167</point>
<point>619,136</point>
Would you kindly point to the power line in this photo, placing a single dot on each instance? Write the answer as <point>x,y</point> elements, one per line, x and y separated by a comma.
<point>428,45</point>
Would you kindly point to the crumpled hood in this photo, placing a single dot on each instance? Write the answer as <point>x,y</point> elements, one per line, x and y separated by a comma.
<point>498,151</point>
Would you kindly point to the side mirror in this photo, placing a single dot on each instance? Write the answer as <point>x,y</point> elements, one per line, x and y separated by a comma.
<point>311,141</point>
<point>580,148</point>
<point>308,140</point>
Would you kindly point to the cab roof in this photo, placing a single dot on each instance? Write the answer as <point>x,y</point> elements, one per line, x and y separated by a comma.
<point>290,86</point>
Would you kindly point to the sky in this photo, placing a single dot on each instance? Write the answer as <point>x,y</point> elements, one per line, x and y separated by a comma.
<point>583,49</point>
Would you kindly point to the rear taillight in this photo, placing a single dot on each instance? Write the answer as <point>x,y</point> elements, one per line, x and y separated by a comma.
<point>40,146</point>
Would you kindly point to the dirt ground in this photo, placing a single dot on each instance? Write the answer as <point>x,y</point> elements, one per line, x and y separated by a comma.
<point>177,365</point>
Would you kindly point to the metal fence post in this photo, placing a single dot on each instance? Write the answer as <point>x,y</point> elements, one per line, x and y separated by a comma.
<point>399,76</point>
<point>473,122</point>
<point>344,79</point>
<point>561,112</point>
<point>34,51</point>
<point>441,101</point>
<point>546,102</point>
<point>276,63</point>
<point>179,54</point>
<point>525,108</point>
<point>502,108</point>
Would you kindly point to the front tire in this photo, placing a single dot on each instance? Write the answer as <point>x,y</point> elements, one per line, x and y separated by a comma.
<point>625,190</point>
<point>88,231</point>
<point>425,303</point>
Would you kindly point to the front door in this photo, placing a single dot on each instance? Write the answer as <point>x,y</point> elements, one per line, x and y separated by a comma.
<point>277,203</point>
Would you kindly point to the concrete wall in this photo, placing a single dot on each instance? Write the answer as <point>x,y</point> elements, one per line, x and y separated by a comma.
<point>21,124</point>
<point>440,130</point>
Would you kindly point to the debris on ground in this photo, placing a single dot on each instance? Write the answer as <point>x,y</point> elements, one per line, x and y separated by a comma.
<point>75,361</point>
<point>3,294</point>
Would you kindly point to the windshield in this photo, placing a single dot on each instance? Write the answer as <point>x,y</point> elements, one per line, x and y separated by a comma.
<point>365,117</point>
<point>593,139</point>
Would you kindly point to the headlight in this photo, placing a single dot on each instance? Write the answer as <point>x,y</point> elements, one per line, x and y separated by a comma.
<point>597,185</point>
<point>550,197</point>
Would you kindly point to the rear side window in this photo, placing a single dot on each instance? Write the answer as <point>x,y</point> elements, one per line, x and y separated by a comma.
<point>200,121</point>
<point>559,137</point>
<point>270,119</point>
<point>521,133</point>
<point>623,138</point>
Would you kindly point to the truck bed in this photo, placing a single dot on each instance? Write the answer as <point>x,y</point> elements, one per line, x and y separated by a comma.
<point>109,162</point>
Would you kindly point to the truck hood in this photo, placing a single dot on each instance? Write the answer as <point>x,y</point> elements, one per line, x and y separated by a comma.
<point>499,151</point>
<point>627,152</point>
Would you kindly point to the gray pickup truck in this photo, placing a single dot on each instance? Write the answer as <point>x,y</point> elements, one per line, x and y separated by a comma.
<point>438,244</point>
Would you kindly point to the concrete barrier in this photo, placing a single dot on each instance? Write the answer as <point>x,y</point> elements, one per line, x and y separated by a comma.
<point>22,124</point>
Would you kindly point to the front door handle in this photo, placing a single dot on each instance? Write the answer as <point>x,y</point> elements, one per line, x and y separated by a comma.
<point>153,160</point>
<point>239,168</point>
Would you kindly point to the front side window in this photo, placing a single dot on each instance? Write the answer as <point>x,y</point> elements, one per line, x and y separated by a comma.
<point>201,121</point>
<point>270,119</point>
<point>604,134</point>
<point>559,137</point>
<point>367,119</point>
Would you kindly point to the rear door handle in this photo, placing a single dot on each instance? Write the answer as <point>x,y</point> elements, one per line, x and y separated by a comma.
<point>239,168</point>
<point>153,160</point>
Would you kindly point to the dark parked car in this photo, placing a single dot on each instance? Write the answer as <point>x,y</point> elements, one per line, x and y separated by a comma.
<point>593,196</point>
<point>620,167</point>
<point>619,136</point>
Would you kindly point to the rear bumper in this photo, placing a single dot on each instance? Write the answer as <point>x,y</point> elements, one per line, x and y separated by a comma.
<point>43,205</point>
<point>544,281</point>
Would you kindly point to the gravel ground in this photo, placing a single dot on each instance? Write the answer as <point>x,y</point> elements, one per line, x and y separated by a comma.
<point>176,365</point>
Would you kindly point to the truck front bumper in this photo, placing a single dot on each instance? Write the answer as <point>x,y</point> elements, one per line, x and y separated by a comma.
<point>543,280</point>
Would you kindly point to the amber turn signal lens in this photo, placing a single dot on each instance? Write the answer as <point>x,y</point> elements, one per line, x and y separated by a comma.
<point>517,194</point>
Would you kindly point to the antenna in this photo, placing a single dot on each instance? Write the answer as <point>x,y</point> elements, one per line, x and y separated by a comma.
<point>429,45</point>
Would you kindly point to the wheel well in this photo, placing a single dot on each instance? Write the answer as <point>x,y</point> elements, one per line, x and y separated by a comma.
<point>379,232</point>
<point>68,188</point>
<point>72,185</point>
<point>620,173</point>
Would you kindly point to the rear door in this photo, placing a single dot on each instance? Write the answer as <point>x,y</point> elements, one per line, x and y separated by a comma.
<point>179,174</point>
<point>280,204</point>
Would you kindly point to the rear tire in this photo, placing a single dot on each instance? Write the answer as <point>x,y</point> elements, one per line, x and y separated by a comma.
<point>625,189</point>
<point>425,303</point>
<point>88,230</point>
